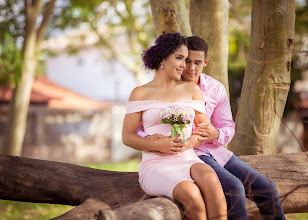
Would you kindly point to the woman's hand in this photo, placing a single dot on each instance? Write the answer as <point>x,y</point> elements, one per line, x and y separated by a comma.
<point>166,145</point>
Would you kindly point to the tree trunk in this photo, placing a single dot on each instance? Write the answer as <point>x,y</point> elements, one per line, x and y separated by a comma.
<point>209,20</point>
<point>19,104</point>
<point>267,77</point>
<point>94,191</point>
<point>170,16</point>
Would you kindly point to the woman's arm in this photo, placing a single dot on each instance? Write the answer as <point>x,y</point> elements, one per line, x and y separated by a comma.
<point>131,139</point>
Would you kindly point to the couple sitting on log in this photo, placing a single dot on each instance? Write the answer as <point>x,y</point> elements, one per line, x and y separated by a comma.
<point>191,167</point>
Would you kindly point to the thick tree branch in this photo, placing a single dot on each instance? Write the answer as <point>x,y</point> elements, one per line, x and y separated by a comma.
<point>94,191</point>
<point>47,14</point>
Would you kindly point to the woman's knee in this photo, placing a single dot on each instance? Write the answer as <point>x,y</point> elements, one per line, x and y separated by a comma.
<point>189,195</point>
<point>205,174</point>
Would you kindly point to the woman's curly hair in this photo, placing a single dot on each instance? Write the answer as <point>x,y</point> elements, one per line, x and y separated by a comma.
<point>164,45</point>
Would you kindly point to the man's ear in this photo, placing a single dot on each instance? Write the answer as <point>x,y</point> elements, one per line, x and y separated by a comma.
<point>206,62</point>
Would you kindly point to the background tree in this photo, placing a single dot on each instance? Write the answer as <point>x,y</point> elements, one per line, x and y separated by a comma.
<point>267,77</point>
<point>170,16</point>
<point>10,35</point>
<point>21,97</point>
<point>209,20</point>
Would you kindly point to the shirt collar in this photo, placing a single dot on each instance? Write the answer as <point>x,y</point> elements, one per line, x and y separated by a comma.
<point>202,83</point>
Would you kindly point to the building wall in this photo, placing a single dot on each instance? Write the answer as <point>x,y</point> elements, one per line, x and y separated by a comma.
<point>72,136</point>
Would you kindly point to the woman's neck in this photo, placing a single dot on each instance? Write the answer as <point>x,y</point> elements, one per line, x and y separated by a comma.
<point>161,79</point>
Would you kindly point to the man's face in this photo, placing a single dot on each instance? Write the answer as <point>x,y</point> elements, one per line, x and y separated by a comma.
<point>194,66</point>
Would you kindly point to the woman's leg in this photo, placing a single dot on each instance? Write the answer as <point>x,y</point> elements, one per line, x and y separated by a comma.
<point>208,182</point>
<point>258,188</point>
<point>233,189</point>
<point>188,194</point>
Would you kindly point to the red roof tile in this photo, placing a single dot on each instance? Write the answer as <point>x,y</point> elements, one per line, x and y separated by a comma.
<point>56,96</point>
<point>6,96</point>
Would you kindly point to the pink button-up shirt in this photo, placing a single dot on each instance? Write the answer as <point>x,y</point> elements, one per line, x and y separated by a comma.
<point>218,109</point>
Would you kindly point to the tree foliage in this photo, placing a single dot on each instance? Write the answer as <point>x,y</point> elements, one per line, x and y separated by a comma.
<point>111,21</point>
<point>10,61</point>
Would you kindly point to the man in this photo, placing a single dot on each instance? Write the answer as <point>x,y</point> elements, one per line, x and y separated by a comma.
<point>238,180</point>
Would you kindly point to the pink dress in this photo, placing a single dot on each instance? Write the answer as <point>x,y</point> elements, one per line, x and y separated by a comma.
<point>158,175</point>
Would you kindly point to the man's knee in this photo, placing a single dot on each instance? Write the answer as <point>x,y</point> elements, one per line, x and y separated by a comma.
<point>268,187</point>
<point>234,188</point>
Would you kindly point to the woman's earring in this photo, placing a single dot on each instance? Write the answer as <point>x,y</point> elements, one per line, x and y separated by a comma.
<point>161,66</point>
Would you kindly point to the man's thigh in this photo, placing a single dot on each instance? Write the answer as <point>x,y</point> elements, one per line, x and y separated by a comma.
<point>226,178</point>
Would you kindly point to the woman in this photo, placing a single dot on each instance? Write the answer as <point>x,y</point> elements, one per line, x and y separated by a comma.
<point>182,176</point>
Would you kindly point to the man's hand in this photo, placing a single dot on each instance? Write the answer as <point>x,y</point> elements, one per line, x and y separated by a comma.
<point>207,132</point>
<point>166,145</point>
<point>192,141</point>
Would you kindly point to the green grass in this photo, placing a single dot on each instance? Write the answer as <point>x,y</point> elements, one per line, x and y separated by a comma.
<point>10,210</point>
<point>297,216</point>
<point>128,166</point>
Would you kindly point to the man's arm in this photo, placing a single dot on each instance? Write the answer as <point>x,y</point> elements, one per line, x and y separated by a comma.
<point>222,130</point>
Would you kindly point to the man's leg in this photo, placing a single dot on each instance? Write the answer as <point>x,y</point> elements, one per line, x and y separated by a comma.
<point>233,189</point>
<point>258,188</point>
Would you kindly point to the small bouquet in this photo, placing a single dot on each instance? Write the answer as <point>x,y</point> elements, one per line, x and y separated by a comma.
<point>178,117</point>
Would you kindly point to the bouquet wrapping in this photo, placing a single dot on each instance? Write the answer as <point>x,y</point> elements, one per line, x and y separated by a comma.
<point>178,117</point>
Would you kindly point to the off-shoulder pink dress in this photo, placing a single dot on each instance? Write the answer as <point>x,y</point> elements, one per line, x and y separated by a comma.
<point>158,175</point>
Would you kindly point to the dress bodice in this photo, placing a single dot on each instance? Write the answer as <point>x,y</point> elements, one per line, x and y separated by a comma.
<point>151,114</point>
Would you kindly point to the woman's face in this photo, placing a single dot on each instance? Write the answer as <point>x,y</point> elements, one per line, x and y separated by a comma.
<point>175,64</point>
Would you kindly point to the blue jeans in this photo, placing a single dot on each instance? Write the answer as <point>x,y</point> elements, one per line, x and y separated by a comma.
<point>239,181</point>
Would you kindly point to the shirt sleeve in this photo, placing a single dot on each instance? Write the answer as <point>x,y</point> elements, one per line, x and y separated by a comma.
<point>140,131</point>
<point>222,119</point>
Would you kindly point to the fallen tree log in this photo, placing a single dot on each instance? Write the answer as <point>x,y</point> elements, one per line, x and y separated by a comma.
<point>101,194</point>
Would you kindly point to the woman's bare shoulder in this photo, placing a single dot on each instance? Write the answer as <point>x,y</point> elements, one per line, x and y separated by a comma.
<point>137,94</point>
<point>140,93</point>
<point>193,89</point>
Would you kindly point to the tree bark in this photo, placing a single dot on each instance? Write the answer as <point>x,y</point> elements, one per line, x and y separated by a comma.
<point>46,17</point>
<point>19,104</point>
<point>267,77</point>
<point>170,16</point>
<point>94,191</point>
<point>157,208</point>
<point>209,20</point>
<point>60,183</point>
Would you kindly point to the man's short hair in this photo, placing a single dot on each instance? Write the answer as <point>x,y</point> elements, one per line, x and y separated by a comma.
<point>198,44</point>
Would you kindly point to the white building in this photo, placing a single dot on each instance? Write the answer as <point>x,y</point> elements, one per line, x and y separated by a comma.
<point>88,73</point>
<point>91,70</point>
